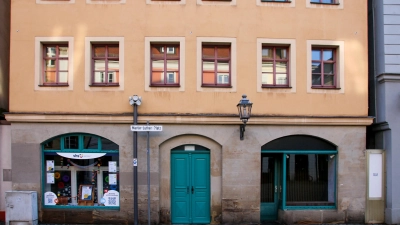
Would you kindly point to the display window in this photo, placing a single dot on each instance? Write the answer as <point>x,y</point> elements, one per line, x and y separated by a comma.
<point>80,170</point>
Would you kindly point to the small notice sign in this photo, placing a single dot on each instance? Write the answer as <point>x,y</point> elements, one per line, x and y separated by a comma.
<point>150,128</point>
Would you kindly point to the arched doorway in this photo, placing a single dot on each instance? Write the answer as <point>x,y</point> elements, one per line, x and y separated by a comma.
<point>297,172</point>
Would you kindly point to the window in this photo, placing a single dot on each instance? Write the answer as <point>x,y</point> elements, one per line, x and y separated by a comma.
<point>178,2</point>
<point>55,64</point>
<point>324,1</point>
<point>105,1</point>
<point>323,68</point>
<point>216,2</point>
<point>54,59</point>
<point>80,170</point>
<point>276,3</point>
<point>164,65</point>
<point>55,1</point>
<point>275,0</point>
<point>216,61</point>
<point>105,64</point>
<point>275,66</point>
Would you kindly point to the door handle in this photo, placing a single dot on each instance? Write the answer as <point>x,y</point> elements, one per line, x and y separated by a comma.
<point>192,190</point>
<point>276,189</point>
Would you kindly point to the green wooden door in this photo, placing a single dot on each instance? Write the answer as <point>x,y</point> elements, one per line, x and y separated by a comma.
<point>270,186</point>
<point>190,187</point>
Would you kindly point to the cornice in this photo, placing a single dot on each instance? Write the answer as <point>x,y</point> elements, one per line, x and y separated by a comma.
<point>388,77</point>
<point>187,119</point>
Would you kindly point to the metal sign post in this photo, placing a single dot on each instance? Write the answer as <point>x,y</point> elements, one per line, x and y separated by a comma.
<point>139,128</point>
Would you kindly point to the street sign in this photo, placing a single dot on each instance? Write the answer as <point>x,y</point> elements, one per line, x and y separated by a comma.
<point>141,128</point>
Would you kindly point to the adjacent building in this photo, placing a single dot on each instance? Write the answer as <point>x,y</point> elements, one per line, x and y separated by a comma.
<point>384,92</point>
<point>74,64</point>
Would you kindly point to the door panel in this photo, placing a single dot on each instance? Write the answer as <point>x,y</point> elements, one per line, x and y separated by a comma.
<point>190,187</point>
<point>270,186</point>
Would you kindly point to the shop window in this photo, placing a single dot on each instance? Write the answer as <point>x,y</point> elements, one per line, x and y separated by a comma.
<point>80,170</point>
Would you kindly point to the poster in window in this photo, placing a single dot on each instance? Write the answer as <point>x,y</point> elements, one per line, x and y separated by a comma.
<point>50,178</point>
<point>86,192</point>
<point>112,166</point>
<point>50,165</point>
<point>111,198</point>
<point>112,179</point>
<point>50,198</point>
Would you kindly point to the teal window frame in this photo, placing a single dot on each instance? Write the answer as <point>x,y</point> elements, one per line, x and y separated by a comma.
<point>78,150</point>
<point>284,153</point>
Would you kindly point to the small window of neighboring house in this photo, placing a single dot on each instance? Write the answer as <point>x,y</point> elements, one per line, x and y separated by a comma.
<point>165,65</point>
<point>55,65</point>
<point>216,66</point>
<point>105,65</point>
<point>275,66</point>
<point>323,68</point>
<point>325,1</point>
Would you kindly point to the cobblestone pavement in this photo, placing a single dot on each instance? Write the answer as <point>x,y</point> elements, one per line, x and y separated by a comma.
<point>271,223</point>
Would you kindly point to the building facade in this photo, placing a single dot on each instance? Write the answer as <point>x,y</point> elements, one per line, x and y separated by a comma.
<point>384,89</point>
<point>5,129</point>
<point>74,65</point>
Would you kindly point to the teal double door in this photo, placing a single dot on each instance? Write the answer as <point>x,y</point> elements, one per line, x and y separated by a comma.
<point>190,187</point>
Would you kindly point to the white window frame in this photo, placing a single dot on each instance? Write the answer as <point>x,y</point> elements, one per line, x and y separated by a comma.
<point>105,1</point>
<point>233,72</point>
<point>152,2</point>
<point>39,41</point>
<point>340,76</point>
<point>55,1</point>
<point>292,64</point>
<point>88,59</point>
<point>216,2</point>
<point>147,60</point>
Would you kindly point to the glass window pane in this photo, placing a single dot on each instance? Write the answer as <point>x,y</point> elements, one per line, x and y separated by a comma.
<point>99,65</point>
<point>71,142</point>
<point>50,65</point>
<point>90,142</point>
<point>108,145</point>
<point>99,77</point>
<point>54,144</point>
<point>113,77</point>
<point>50,52</point>
<point>329,80</point>
<point>281,67</point>
<point>267,53</point>
<point>157,51</point>
<point>113,65</point>
<point>63,65</point>
<point>267,179</point>
<point>173,65</point>
<point>281,79</point>
<point>267,78</point>
<point>172,77</point>
<point>223,78</point>
<point>223,51</point>
<point>208,52</point>
<point>316,67</point>
<point>172,51</point>
<point>316,79</point>
<point>208,77</point>
<point>63,77</point>
<point>328,68</point>
<point>281,53</point>
<point>328,55</point>
<point>158,65</point>
<point>223,67</point>
<point>50,77</point>
<point>157,77</point>
<point>99,51</point>
<point>316,55</point>
<point>267,67</point>
<point>63,51</point>
<point>113,51</point>
<point>328,1</point>
<point>208,66</point>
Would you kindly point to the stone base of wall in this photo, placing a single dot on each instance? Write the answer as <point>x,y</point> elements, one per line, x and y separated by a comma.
<point>321,216</point>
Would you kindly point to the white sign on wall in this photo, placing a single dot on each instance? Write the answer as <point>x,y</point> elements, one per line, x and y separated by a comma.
<point>375,175</point>
<point>72,155</point>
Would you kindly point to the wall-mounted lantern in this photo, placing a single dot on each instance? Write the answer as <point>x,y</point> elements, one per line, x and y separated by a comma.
<point>244,108</point>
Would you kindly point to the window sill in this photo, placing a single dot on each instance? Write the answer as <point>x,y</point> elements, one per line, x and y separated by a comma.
<point>326,88</point>
<point>275,1</point>
<point>104,85</point>
<point>216,0</point>
<point>77,207</point>
<point>53,85</point>
<point>165,86</point>
<point>286,87</point>
<point>320,3</point>
<point>215,86</point>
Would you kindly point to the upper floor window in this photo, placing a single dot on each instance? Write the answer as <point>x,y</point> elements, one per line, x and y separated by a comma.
<point>105,64</point>
<point>276,0</point>
<point>216,65</point>
<point>324,1</point>
<point>323,67</point>
<point>165,65</point>
<point>275,66</point>
<point>55,64</point>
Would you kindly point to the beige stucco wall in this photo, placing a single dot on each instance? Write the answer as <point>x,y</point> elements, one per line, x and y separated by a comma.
<point>244,21</point>
<point>235,168</point>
